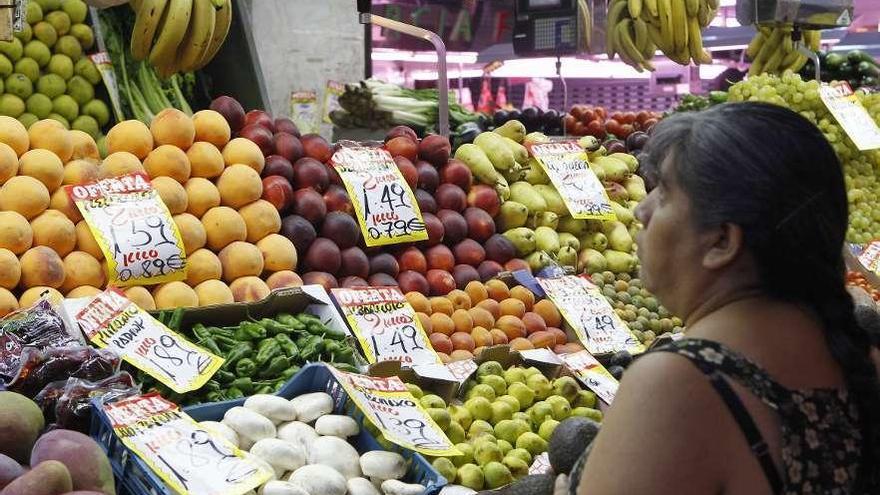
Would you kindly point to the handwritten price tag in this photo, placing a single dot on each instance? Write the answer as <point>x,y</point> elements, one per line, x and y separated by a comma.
<point>851,115</point>
<point>583,193</point>
<point>591,372</point>
<point>541,464</point>
<point>189,458</point>
<point>386,325</point>
<point>108,75</point>
<point>586,310</point>
<point>870,257</point>
<point>111,320</point>
<point>389,405</point>
<point>133,228</point>
<point>385,205</point>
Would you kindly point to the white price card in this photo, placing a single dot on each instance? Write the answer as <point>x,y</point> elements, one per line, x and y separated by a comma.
<point>592,374</point>
<point>187,457</point>
<point>110,320</point>
<point>385,325</point>
<point>566,165</point>
<point>541,464</point>
<point>384,204</point>
<point>392,408</point>
<point>870,257</point>
<point>850,114</point>
<point>599,328</point>
<point>108,75</point>
<point>133,228</point>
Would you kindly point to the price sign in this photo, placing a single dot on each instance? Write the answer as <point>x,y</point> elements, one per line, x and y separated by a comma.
<point>592,374</point>
<point>108,75</point>
<point>583,192</point>
<point>111,320</point>
<point>851,115</point>
<point>870,257</point>
<point>541,464</point>
<point>586,310</point>
<point>384,204</point>
<point>463,369</point>
<point>386,325</point>
<point>187,457</point>
<point>133,228</point>
<point>398,415</point>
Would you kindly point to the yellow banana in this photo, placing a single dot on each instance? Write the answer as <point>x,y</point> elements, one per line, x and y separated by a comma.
<point>614,14</point>
<point>798,63</point>
<point>679,25</point>
<point>692,7</point>
<point>627,45</point>
<point>705,57</point>
<point>635,8</point>
<point>135,5</point>
<point>221,29</point>
<point>668,43</point>
<point>769,47</point>
<point>656,38</point>
<point>649,50</point>
<point>705,14</point>
<point>713,4</point>
<point>695,39</point>
<point>652,8</point>
<point>218,4</point>
<point>585,25</point>
<point>788,60</point>
<point>774,62</point>
<point>171,33</point>
<point>198,38</point>
<point>640,28</point>
<point>815,40</point>
<point>755,45</point>
<point>145,24</point>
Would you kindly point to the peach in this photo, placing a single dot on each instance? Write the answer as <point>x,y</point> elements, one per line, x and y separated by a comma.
<point>412,259</point>
<point>513,307</point>
<point>521,344</point>
<point>440,281</point>
<point>440,257</point>
<point>460,299</point>
<point>542,338</point>
<point>132,136</point>
<point>212,292</point>
<point>50,135</point>
<point>441,323</point>
<point>119,163</point>
<point>568,348</point>
<point>205,160</point>
<point>239,185</point>
<point>14,135</point>
<point>462,341</point>
<point>498,337</point>
<point>60,201</point>
<point>24,195</point>
<point>10,269</point>
<point>210,126</point>
<point>524,295</point>
<point>16,233</point>
<point>84,146</point>
<point>548,312</point>
<point>173,127</point>
<point>425,321</point>
<point>441,343</point>
<point>558,335</point>
<point>481,336</point>
<point>497,290</point>
<point>175,295</point>
<point>476,291</point>
<point>419,302</point>
<point>83,291</point>
<point>441,305</point>
<point>171,193</point>
<point>241,259</point>
<point>245,152</point>
<point>492,306</point>
<point>482,317</point>
<point>31,296</point>
<point>534,323</point>
<point>284,278</point>
<point>202,265</point>
<point>278,253</point>
<point>460,355</point>
<point>462,320</point>
<point>512,326</point>
<point>168,161</point>
<point>140,296</point>
<point>201,195</point>
<point>261,219</point>
<point>249,289</point>
<point>80,172</point>
<point>85,241</point>
<point>444,358</point>
<point>44,166</point>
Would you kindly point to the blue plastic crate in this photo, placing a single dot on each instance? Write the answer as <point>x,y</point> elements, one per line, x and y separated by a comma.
<point>316,377</point>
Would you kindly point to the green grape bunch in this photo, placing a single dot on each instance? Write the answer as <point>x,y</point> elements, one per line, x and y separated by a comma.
<point>860,168</point>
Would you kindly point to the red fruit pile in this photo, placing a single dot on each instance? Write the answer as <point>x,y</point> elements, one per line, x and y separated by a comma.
<point>585,120</point>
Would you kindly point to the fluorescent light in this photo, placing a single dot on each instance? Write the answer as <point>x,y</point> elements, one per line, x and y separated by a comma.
<point>431,75</point>
<point>571,68</point>
<point>711,71</point>
<point>427,57</point>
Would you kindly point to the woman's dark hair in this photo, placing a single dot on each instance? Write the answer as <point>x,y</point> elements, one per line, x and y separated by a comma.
<point>770,171</point>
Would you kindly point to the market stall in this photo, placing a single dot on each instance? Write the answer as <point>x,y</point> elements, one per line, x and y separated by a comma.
<point>198,297</point>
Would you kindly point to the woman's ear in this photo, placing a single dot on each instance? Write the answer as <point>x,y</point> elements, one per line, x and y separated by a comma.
<point>725,244</point>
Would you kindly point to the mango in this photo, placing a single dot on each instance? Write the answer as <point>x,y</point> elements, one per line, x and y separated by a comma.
<point>86,462</point>
<point>47,478</point>
<point>21,422</point>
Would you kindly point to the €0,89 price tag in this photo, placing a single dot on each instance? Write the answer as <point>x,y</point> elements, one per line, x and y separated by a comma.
<point>870,257</point>
<point>851,115</point>
<point>133,228</point>
<point>388,404</point>
<point>186,456</point>
<point>111,320</point>
<point>386,325</point>
<point>592,374</point>
<point>583,193</point>
<point>385,206</point>
<point>583,306</point>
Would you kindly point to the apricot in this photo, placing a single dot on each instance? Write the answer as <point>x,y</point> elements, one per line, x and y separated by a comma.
<point>213,292</point>
<point>16,234</point>
<point>482,317</point>
<point>53,229</point>
<point>462,341</point>
<point>141,297</point>
<point>119,163</point>
<point>498,337</point>
<point>513,307</point>
<point>521,344</point>
<point>460,299</point>
<point>84,146</point>
<point>492,306</point>
<point>172,127</point>
<point>525,295</point>
<point>542,338</point>
<point>192,232</point>
<point>202,195</point>
<point>168,161</point>
<point>419,302</point>
<point>202,265</point>
<point>441,344</point>
<point>60,201</point>
<point>279,254</point>
<point>239,185</point>
<point>425,322</point>
<point>497,290</point>
<point>481,336</point>
<point>548,312</point>
<point>80,171</point>
<point>512,326</point>
<point>50,135</point>
<point>212,127</point>
<point>175,295</point>
<point>81,268</point>
<point>171,193</point>
<point>85,241</point>
<point>223,225</point>
<point>559,337</point>
<point>8,163</point>
<point>132,136</point>
<point>246,152</point>
<point>41,266</point>
<point>249,289</point>
<point>261,219</point>
<point>533,323</point>
<point>83,291</point>
<point>442,323</point>
<point>44,166</point>
<point>24,195</point>
<point>8,303</point>
<point>441,305</point>
<point>476,291</point>
<point>30,297</point>
<point>14,134</point>
<point>10,269</point>
<point>240,259</point>
<point>462,320</point>
<point>283,279</point>
<point>205,160</point>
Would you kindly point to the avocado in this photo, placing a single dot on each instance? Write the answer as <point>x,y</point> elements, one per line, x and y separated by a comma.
<point>621,358</point>
<point>534,484</point>
<point>568,442</point>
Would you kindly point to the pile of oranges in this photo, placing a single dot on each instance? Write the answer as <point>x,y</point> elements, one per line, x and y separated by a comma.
<point>464,322</point>
<point>857,279</point>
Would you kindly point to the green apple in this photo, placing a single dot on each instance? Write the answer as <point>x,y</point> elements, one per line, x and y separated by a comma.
<point>467,455</point>
<point>560,405</point>
<point>496,382</point>
<point>541,386</point>
<point>490,368</point>
<point>485,391</point>
<point>588,412</point>
<point>486,452</point>
<point>455,433</point>
<point>479,428</point>
<point>514,375</point>
<point>415,390</point>
<point>440,416</point>
<point>460,415</point>
<point>585,398</point>
<point>497,474</point>
<point>567,387</point>
<point>445,467</point>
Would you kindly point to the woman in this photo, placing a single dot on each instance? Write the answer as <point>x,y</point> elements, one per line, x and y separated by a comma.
<point>772,391</point>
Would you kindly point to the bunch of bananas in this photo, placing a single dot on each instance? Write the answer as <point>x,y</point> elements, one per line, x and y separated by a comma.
<point>585,25</point>
<point>179,35</point>
<point>636,28</point>
<point>772,50</point>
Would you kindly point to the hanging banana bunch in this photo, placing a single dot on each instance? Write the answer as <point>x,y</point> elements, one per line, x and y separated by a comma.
<point>637,28</point>
<point>585,25</point>
<point>179,35</point>
<point>772,50</point>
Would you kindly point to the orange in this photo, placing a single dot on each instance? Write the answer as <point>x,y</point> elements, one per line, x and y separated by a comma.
<point>441,305</point>
<point>442,323</point>
<point>419,302</point>
<point>425,320</point>
<point>547,310</point>
<point>524,295</point>
<point>463,321</point>
<point>481,336</point>
<point>492,306</point>
<point>476,290</point>
<point>497,290</point>
<point>513,307</point>
<point>460,299</point>
<point>482,317</point>
<point>512,326</point>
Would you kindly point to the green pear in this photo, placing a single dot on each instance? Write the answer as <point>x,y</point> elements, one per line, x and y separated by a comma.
<point>501,411</point>
<point>432,400</point>
<point>535,138</point>
<point>479,428</point>
<point>546,239</point>
<point>523,240</point>
<point>507,430</point>
<point>591,261</point>
<point>595,240</point>
<point>567,387</point>
<point>523,416</point>
<point>479,408</point>
<point>525,193</point>
<point>573,226</point>
<point>440,416</point>
<point>585,398</point>
<point>632,163</point>
<point>622,213</point>
<point>415,390</point>
<point>455,432</point>
<point>514,375</point>
<point>589,143</point>
<point>546,429</point>
<point>587,412</point>
<point>538,260</point>
<point>511,215</point>
<point>471,476</point>
<point>531,370</point>
<point>520,453</point>
<point>482,390</point>
<point>512,129</point>
<point>522,393</point>
<point>542,219</point>
<point>539,412</point>
<point>560,405</point>
<point>541,385</point>
<point>531,442</point>
<point>490,368</point>
<point>512,401</point>
<point>445,467</point>
<point>569,240</point>
<point>497,474</point>
<point>505,446</point>
<point>522,426</point>
<point>486,452</point>
<point>552,198</point>
<point>566,256</point>
<point>518,467</point>
<point>535,174</point>
<point>461,415</point>
<point>499,386</point>
<point>467,455</point>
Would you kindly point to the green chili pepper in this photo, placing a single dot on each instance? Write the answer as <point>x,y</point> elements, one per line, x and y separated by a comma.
<point>176,319</point>
<point>267,351</point>
<point>163,317</point>
<point>290,321</point>
<point>265,389</point>
<point>224,376</point>
<point>234,393</point>
<point>241,350</point>
<point>214,396</point>
<point>212,386</point>
<point>205,339</point>
<point>275,367</point>
<point>315,327</point>
<point>245,384</point>
<point>287,345</point>
<point>346,367</point>
<point>245,367</point>
<point>275,328</point>
<point>312,348</point>
<point>224,332</point>
<point>226,343</point>
<point>249,330</point>
<point>288,373</point>
<point>345,355</point>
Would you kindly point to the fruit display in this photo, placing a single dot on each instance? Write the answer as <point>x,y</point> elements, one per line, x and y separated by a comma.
<point>789,90</point>
<point>772,50</point>
<point>464,322</point>
<point>548,122</point>
<point>586,120</point>
<point>507,418</point>
<point>46,71</point>
<point>856,67</point>
<point>695,103</point>
<point>260,356</point>
<point>857,279</point>
<point>34,462</point>
<point>637,28</point>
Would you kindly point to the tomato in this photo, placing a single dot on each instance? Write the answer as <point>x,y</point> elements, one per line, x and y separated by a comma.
<point>569,121</point>
<point>648,124</point>
<point>625,130</point>
<point>588,116</point>
<point>577,111</point>
<point>629,118</point>
<point>642,116</point>
<point>617,116</point>
<point>601,113</point>
<point>579,129</point>
<point>612,126</point>
<point>595,128</point>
